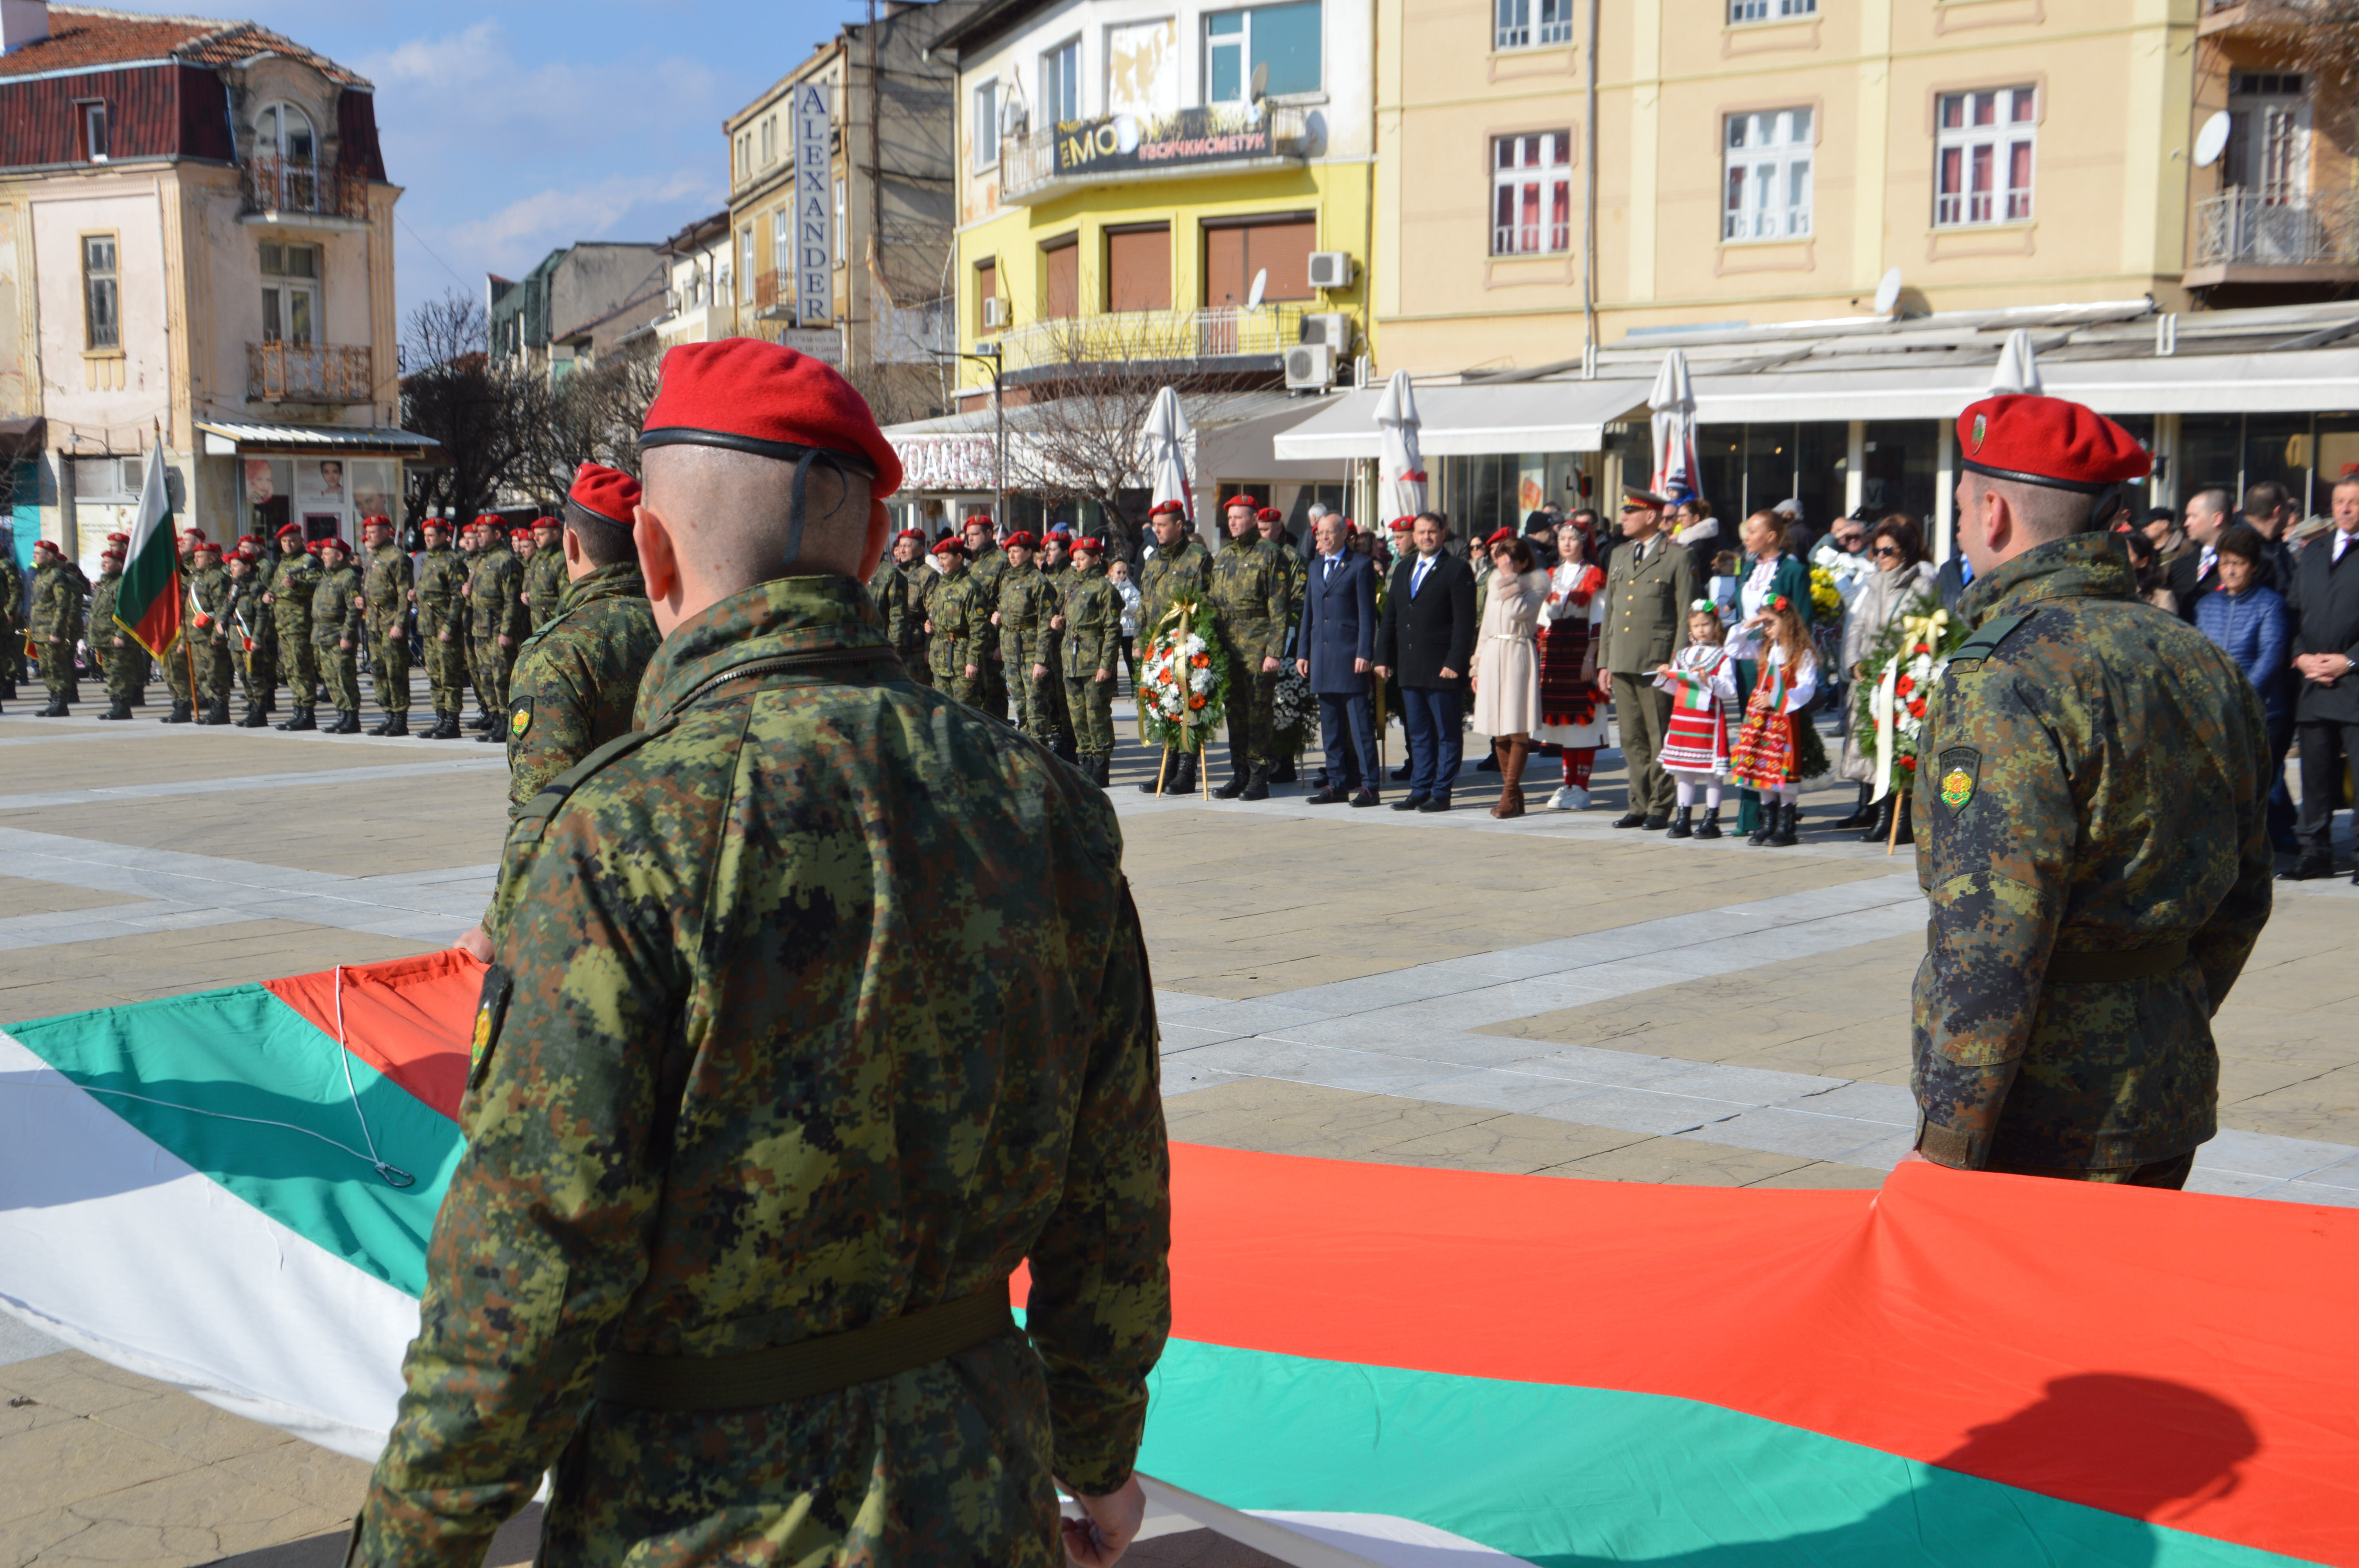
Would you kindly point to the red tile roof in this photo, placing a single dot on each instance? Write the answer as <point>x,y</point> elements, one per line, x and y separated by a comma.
<point>85,36</point>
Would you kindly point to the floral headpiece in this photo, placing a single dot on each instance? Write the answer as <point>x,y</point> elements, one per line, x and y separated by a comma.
<point>1778,601</point>
<point>1703,606</point>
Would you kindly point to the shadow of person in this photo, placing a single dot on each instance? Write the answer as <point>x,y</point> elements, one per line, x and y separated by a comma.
<point>2130,1445</point>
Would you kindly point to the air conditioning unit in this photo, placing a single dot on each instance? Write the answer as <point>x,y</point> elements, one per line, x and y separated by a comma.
<point>1331,327</point>
<point>995,313</point>
<point>1310,367</point>
<point>1331,269</point>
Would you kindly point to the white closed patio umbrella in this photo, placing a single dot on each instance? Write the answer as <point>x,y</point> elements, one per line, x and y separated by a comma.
<point>1403,474</point>
<point>1167,434</point>
<point>1677,464</point>
<point>2018,367</point>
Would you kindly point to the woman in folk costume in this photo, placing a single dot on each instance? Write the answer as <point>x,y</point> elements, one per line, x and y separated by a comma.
<point>1702,680</point>
<point>1571,614</point>
<point>1506,664</point>
<point>1767,755</point>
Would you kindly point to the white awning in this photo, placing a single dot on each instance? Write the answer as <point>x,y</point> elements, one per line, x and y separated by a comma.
<point>1474,421</point>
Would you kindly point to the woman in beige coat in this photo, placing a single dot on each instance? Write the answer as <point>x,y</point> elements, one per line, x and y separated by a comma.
<point>1506,663</point>
<point>1902,575</point>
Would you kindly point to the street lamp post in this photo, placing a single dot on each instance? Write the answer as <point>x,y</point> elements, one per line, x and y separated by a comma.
<point>988,355</point>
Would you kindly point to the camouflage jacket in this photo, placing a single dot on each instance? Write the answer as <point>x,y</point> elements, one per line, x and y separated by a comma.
<point>494,581</point>
<point>1296,575</point>
<point>1026,601</point>
<point>292,582</point>
<point>336,606</point>
<point>102,630</point>
<point>577,677</point>
<point>890,587</point>
<point>12,586</point>
<point>2096,784</point>
<point>1183,573</point>
<point>821,1001</point>
<point>442,593</point>
<point>56,603</point>
<point>983,575</point>
<point>212,594</point>
<point>960,627</point>
<point>1092,637</point>
<point>249,618</point>
<point>386,587</point>
<point>545,584</point>
<point>1249,599</point>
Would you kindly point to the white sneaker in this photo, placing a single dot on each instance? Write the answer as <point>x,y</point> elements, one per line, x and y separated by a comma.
<point>1569,797</point>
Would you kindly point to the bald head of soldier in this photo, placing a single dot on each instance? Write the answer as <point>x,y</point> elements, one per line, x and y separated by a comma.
<point>758,463</point>
<point>2034,470</point>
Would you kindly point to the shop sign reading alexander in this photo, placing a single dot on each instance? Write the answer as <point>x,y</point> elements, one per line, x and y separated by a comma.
<point>814,221</point>
<point>1212,133</point>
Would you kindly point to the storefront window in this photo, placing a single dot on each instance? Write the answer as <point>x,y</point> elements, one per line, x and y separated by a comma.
<point>1901,466</point>
<point>2211,452</point>
<point>1821,463</point>
<point>2337,457</point>
<point>2277,447</point>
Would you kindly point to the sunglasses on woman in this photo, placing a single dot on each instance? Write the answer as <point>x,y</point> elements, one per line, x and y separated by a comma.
<point>1885,550</point>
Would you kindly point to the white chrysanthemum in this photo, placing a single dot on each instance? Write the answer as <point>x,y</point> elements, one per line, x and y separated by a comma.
<point>1201,681</point>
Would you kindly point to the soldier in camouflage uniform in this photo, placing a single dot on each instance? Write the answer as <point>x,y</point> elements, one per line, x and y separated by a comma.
<point>439,595</point>
<point>956,626</point>
<point>1055,561</point>
<point>384,587</point>
<point>212,596</point>
<point>1023,607</point>
<point>12,598</point>
<point>985,562</point>
<point>2092,789</point>
<point>288,594</point>
<point>1249,604</point>
<point>702,1155</point>
<point>56,624</point>
<point>240,618</point>
<point>576,674</point>
<point>337,605</point>
<point>254,645</point>
<point>495,620</point>
<point>902,589</point>
<point>1091,642</point>
<point>545,575</point>
<point>110,644</point>
<point>176,658</point>
<point>1286,745</point>
<point>1181,571</point>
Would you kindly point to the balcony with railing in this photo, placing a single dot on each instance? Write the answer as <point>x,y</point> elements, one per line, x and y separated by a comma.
<point>1223,338</point>
<point>309,373</point>
<point>2252,237</point>
<point>278,188</point>
<point>1218,139</point>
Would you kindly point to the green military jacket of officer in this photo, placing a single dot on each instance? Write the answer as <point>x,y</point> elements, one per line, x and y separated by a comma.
<point>1025,601</point>
<point>441,589</point>
<point>494,590</point>
<point>291,583</point>
<point>1093,610</point>
<point>1173,577</point>
<point>2091,793</point>
<point>1249,599</point>
<point>212,591</point>
<point>338,605</point>
<point>1648,587</point>
<point>959,629</point>
<point>544,577</point>
<point>577,676</point>
<point>56,606</point>
<point>1297,577</point>
<point>386,588</point>
<point>102,631</point>
<point>984,568</point>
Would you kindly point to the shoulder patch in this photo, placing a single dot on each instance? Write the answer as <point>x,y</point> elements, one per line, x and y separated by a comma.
<point>519,718</point>
<point>1960,776</point>
<point>491,1010</point>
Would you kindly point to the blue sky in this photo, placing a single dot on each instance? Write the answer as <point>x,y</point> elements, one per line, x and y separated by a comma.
<point>517,126</point>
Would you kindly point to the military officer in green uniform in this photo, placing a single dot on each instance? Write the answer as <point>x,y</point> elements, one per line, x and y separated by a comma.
<point>1650,584</point>
<point>293,579</point>
<point>176,656</point>
<point>902,588</point>
<point>113,648</point>
<point>577,676</point>
<point>384,587</point>
<point>1249,606</point>
<point>1286,745</point>
<point>1056,558</point>
<point>337,607</point>
<point>957,626</point>
<point>1022,609</point>
<point>12,596</point>
<point>747,1171</point>
<point>544,573</point>
<point>985,562</point>
<point>2091,797</point>
<point>439,593</point>
<point>1179,572</point>
<point>1092,646</point>
<point>253,642</point>
<point>212,596</point>
<point>56,624</point>
<point>495,620</point>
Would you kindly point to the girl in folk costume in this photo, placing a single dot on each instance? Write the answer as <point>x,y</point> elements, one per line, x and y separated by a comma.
<point>1702,680</point>
<point>1571,613</point>
<point>1768,753</point>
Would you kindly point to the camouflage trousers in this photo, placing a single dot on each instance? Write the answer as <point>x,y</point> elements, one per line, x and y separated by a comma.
<point>339,669</point>
<point>12,647</point>
<point>491,663</point>
<point>57,672</point>
<point>991,689</point>
<point>257,671</point>
<point>446,669</point>
<point>302,661</point>
<point>389,663</point>
<point>127,672</point>
<point>1253,710</point>
<point>176,670</point>
<point>216,673</point>
<point>1089,702</point>
<point>2171,1173</point>
<point>1040,704</point>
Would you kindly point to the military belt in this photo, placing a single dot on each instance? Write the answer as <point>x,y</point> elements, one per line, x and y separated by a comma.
<point>810,1366</point>
<point>2078,967</point>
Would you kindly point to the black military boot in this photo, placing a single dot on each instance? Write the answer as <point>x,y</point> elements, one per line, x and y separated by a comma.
<point>396,724</point>
<point>1160,780</point>
<point>1257,783</point>
<point>220,709</point>
<point>299,717</point>
<point>1239,775</point>
<point>1709,826</point>
<point>57,709</point>
<point>180,714</point>
<point>117,709</point>
<point>1185,784</point>
<point>446,727</point>
<point>201,711</point>
<point>1861,814</point>
<point>1787,820</point>
<point>379,727</point>
<point>1685,826</point>
<point>257,717</point>
<point>348,722</point>
<point>1283,772</point>
<point>481,722</point>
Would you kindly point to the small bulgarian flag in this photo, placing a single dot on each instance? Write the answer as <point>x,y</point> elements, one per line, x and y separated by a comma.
<point>148,604</point>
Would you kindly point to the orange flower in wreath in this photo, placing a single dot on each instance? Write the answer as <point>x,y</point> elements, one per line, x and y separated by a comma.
<point>1195,702</point>
<point>1202,661</point>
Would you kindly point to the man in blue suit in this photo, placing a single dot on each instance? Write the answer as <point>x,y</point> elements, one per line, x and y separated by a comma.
<point>1335,645</point>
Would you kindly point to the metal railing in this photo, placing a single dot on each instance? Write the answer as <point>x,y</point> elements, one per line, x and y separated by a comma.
<point>1223,332</point>
<point>2251,228</point>
<point>309,373</point>
<point>273,184</point>
<point>1029,161</point>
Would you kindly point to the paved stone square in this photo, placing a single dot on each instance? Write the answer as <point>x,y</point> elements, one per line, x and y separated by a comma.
<point>1547,995</point>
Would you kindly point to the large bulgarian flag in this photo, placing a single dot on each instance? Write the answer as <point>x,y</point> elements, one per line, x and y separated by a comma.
<point>148,605</point>
<point>233,1191</point>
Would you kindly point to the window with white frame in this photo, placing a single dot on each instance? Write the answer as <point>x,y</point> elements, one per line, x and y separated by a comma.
<point>2268,135</point>
<point>1060,83</point>
<point>96,144</point>
<point>1529,24</point>
<point>744,154</point>
<point>1531,194</point>
<point>782,238</point>
<point>746,273</point>
<point>290,293</point>
<point>1771,10</point>
<point>986,125</point>
<point>102,294</point>
<point>770,141</point>
<point>840,224</point>
<point>1766,187</point>
<point>1983,145</point>
<point>1280,44</point>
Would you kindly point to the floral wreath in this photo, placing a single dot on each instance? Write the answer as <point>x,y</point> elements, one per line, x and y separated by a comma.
<point>1184,685</point>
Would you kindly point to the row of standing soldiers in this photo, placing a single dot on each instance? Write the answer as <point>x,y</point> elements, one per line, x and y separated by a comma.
<point>303,615</point>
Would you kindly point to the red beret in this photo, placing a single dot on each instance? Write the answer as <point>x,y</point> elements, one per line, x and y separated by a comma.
<point>540,522</point>
<point>604,493</point>
<point>1021,541</point>
<point>2050,441</point>
<point>972,518</point>
<point>917,534</point>
<point>192,532</point>
<point>331,541</point>
<point>1247,501</point>
<point>1167,509</point>
<point>441,523</point>
<point>487,520</point>
<point>1504,536</point>
<point>520,531</point>
<point>1085,543</point>
<point>298,529</point>
<point>118,538</point>
<point>1269,515</point>
<point>1403,524</point>
<point>110,555</point>
<point>40,545</point>
<point>205,546</point>
<point>376,522</point>
<point>767,399</point>
<point>949,545</point>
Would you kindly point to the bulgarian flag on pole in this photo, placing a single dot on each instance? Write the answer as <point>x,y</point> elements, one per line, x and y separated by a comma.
<point>148,604</point>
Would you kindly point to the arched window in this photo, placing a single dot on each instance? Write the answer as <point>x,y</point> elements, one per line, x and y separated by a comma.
<point>284,132</point>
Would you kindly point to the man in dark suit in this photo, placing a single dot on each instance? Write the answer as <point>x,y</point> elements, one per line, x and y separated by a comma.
<point>1334,647</point>
<point>2197,573</point>
<point>2324,599</point>
<point>1428,635</point>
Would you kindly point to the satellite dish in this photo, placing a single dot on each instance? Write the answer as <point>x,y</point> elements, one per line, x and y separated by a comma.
<point>1888,292</point>
<point>1261,282</point>
<point>1261,81</point>
<point>2212,140</point>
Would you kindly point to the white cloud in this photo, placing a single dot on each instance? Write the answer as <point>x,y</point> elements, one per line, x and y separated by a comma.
<point>514,238</point>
